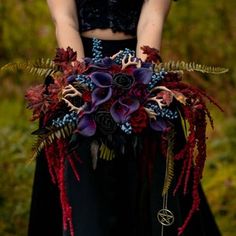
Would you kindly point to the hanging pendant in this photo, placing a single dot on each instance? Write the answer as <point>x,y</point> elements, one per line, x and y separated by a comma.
<point>165,217</point>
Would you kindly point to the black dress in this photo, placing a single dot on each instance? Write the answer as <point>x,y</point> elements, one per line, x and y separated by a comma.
<point>115,199</point>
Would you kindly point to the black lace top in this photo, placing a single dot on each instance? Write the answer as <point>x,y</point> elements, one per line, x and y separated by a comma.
<point>119,15</point>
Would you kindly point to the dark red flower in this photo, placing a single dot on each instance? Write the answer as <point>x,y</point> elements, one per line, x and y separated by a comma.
<point>153,55</point>
<point>139,91</point>
<point>139,120</point>
<point>55,89</point>
<point>37,100</point>
<point>86,96</point>
<point>65,56</point>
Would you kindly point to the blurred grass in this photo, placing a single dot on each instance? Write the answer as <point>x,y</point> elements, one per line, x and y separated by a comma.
<point>200,31</point>
<point>16,174</point>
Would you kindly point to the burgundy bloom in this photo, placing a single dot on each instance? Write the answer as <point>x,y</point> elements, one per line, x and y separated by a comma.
<point>139,120</point>
<point>153,54</point>
<point>65,56</point>
<point>86,96</point>
<point>139,91</point>
<point>37,100</point>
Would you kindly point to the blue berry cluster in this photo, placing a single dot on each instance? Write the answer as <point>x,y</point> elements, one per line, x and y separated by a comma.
<point>122,54</point>
<point>67,119</point>
<point>97,50</point>
<point>156,77</point>
<point>83,79</point>
<point>164,112</point>
<point>126,127</point>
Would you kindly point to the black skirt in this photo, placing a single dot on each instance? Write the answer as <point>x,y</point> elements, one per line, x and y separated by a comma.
<point>115,199</point>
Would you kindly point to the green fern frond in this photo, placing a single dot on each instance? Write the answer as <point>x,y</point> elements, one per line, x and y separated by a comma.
<point>47,139</point>
<point>41,67</point>
<point>180,66</point>
<point>169,163</point>
<point>106,153</point>
<point>183,123</point>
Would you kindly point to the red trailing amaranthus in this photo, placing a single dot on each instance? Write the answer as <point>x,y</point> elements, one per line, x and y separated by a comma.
<point>195,113</point>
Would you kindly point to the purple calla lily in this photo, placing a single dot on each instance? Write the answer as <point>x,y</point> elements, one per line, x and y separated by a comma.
<point>86,126</point>
<point>158,125</point>
<point>71,78</point>
<point>122,108</point>
<point>101,95</point>
<point>101,79</point>
<point>142,75</point>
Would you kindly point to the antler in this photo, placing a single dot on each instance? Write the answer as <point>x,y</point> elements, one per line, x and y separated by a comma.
<point>151,114</point>
<point>158,101</point>
<point>161,88</point>
<point>178,95</point>
<point>130,62</point>
<point>70,91</point>
<point>72,107</point>
<point>116,55</point>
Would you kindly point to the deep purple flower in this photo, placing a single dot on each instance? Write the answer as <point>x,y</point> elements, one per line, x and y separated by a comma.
<point>71,78</point>
<point>103,92</point>
<point>86,126</point>
<point>121,109</point>
<point>101,79</point>
<point>101,95</point>
<point>142,75</point>
<point>159,124</point>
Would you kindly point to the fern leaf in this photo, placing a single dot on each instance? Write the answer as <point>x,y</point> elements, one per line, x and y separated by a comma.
<point>183,124</point>
<point>180,66</point>
<point>169,163</point>
<point>106,153</point>
<point>41,67</point>
<point>47,139</point>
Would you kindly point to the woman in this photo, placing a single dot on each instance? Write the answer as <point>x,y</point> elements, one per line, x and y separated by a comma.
<point>107,202</point>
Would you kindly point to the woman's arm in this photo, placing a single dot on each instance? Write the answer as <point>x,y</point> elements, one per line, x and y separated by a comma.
<point>150,25</point>
<point>64,15</point>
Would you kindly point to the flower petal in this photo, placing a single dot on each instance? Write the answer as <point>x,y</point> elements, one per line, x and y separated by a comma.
<point>118,112</point>
<point>159,124</point>
<point>101,95</point>
<point>86,126</point>
<point>121,109</point>
<point>131,104</point>
<point>142,75</point>
<point>101,79</point>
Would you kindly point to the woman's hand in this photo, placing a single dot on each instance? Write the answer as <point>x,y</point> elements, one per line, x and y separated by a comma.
<point>64,15</point>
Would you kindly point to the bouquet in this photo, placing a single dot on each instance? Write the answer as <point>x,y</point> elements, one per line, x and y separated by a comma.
<point>102,98</point>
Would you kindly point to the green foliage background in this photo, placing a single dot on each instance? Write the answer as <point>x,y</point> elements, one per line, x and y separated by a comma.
<point>201,31</point>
